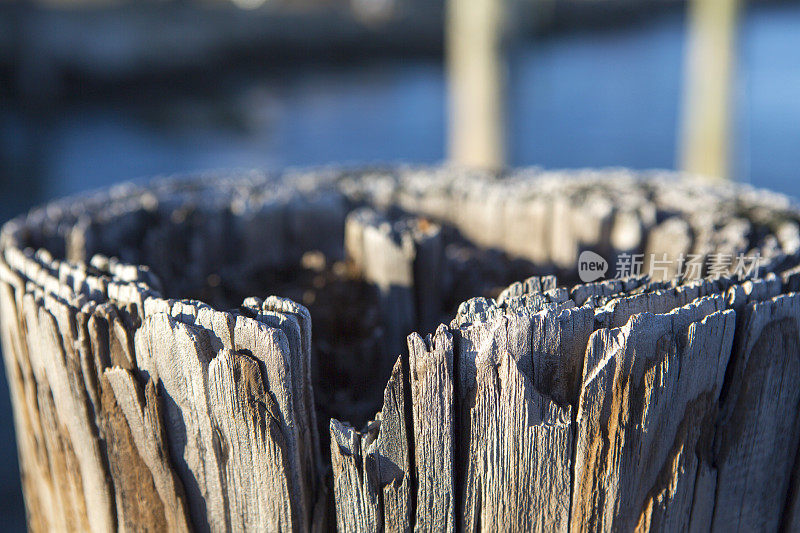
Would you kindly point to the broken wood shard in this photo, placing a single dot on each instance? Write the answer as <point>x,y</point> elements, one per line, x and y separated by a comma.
<point>431,378</point>
<point>650,389</point>
<point>155,384</point>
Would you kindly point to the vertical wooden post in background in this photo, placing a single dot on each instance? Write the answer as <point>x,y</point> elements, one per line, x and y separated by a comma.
<point>710,61</point>
<point>474,33</point>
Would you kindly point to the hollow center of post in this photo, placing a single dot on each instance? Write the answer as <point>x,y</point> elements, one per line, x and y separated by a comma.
<point>395,274</point>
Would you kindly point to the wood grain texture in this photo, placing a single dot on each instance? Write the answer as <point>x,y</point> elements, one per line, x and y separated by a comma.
<point>375,466</point>
<point>156,386</point>
<point>755,448</point>
<point>431,377</point>
<point>649,388</point>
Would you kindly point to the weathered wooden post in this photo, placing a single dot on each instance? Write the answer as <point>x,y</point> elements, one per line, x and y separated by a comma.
<point>154,388</point>
<point>476,82</point>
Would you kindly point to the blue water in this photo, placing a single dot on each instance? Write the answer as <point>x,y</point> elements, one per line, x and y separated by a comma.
<point>605,98</point>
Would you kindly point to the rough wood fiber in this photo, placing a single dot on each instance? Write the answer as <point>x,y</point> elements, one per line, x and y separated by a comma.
<point>665,402</point>
<point>375,466</point>
<point>137,456</point>
<point>393,455</point>
<point>402,258</point>
<point>755,444</point>
<point>650,389</point>
<point>354,479</point>
<point>431,378</point>
<point>518,438</point>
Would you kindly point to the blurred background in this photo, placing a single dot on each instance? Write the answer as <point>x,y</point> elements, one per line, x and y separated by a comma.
<point>98,91</point>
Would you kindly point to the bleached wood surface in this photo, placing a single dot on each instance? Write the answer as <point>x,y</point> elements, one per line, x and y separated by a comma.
<point>665,404</point>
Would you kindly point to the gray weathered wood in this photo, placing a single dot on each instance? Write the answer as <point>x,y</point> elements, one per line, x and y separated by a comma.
<point>653,403</point>
<point>759,429</point>
<point>372,468</point>
<point>431,376</point>
<point>649,393</point>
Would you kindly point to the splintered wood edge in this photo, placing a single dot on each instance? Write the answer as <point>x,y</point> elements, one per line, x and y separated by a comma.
<point>500,419</point>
